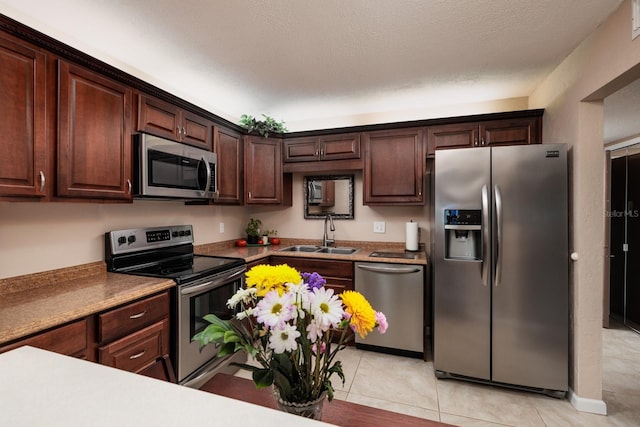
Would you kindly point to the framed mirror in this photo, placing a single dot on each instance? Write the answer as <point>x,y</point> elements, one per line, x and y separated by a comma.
<point>332,194</point>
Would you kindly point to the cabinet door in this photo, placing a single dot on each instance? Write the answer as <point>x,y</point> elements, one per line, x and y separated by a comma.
<point>511,132</point>
<point>94,135</point>
<point>301,149</point>
<point>72,340</point>
<point>263,171</point>
<point>228,147</point>
<point>458,135</point>
<point>394,167</point>
<point>158,118</point>
<point>338,274</point>
<point>22,117</point>
<point>196,130</point>
<point>339,147</point>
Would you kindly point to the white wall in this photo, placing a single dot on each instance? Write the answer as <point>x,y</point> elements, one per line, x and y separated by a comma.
<point>37,237</point>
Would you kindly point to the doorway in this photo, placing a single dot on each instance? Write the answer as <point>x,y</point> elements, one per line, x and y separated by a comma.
<point>624,236</point>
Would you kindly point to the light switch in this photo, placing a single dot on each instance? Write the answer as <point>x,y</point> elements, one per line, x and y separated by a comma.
<point>222,227</point>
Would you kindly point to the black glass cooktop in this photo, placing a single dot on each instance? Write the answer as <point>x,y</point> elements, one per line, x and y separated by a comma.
<point>187,268</point>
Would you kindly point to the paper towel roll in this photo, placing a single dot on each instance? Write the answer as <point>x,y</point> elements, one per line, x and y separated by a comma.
<point>411,236</point>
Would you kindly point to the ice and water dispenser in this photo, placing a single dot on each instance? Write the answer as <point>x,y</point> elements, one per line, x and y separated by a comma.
<point>463,234</point>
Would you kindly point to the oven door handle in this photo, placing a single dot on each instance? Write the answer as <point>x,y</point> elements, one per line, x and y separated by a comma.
<point>212,284</point>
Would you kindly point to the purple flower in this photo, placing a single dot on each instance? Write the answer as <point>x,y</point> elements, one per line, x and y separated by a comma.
<point>314,280</point>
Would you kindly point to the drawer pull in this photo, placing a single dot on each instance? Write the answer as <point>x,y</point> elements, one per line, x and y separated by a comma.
<point>137,316</point>
<point>137,355</point>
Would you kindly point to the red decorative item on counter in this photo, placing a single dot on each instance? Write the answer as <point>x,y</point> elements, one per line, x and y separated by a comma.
<point>274,241</point>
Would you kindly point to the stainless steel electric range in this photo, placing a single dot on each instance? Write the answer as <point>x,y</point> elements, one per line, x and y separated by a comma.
<point>203,286</point>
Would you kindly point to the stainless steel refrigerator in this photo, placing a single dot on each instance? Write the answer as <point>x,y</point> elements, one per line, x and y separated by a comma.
<point>501,282</point>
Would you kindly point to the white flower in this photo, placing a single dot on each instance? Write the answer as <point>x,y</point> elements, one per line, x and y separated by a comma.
<point>300,294</point>
<point>283,339</point>
<point>314,331</point>
<point>244,314</point>
<point>326,308</point>
<point>245,295</point>
<point>274,310</point>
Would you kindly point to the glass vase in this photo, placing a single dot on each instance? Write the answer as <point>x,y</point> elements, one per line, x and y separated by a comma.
<point>311,409</point>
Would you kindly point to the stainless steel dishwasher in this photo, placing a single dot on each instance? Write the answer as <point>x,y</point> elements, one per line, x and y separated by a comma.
<point>397,290</point>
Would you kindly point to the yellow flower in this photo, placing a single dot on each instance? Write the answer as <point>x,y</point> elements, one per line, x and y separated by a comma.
<point>363,316</point>
<point>269,277</point>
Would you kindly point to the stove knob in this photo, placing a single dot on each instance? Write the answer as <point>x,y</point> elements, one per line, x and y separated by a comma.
<point>122,240</point>
<point>181,232</point>
<point>131,239</point>
<point>174,234</point>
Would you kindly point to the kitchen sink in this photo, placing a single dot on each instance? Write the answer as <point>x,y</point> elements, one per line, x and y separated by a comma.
<point>341,250</point>
<point>338,250</point>
<point>301,248</point>
<point>401,255</point>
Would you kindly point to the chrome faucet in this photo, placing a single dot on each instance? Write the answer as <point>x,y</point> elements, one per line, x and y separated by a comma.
<point>325,238</point>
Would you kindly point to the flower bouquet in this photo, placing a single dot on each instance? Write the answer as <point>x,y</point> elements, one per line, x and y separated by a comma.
<point>293,327</point>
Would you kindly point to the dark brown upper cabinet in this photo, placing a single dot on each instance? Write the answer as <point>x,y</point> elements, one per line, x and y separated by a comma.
<point>162,119</point>
<point>227,144</point>
<point>510,131</point>
<point>322,153</point>
<point>94,135</point>
<point>23,144</point>
<point>394,167</point>
<point>265,184</point>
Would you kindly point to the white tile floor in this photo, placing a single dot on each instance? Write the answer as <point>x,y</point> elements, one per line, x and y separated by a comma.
<point>409,386</point>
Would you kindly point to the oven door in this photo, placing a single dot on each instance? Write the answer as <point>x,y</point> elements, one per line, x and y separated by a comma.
<point>195,300</point>
<point>168,169</point>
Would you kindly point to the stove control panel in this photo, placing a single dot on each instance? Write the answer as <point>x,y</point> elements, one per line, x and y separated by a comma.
<point>140,239</point>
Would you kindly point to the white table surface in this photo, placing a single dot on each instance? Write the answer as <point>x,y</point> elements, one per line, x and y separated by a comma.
<point>41,388</point>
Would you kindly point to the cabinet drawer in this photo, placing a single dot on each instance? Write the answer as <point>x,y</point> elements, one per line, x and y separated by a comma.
<point>124,320</point>
<point>138,350</point>
<point>325,268</point>
<point>70,340</point>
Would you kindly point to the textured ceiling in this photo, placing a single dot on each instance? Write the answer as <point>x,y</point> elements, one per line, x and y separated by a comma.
<point>302,60</point>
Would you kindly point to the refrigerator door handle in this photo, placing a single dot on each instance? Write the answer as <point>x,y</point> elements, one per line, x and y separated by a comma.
<point>498,199</point>
<point>485,236</point>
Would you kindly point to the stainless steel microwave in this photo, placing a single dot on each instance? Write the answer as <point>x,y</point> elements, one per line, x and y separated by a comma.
<point>167,169</point>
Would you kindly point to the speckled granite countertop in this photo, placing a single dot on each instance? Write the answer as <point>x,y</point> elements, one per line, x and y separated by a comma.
<point>39,301</point>
<point>256,253</point>
<point>36,302</point>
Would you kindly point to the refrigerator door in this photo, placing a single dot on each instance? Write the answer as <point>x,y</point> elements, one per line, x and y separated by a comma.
<point>462,299</point>
<point>530,280</point>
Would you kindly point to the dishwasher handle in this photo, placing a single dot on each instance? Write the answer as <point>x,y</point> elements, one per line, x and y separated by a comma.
<point>389,270</point>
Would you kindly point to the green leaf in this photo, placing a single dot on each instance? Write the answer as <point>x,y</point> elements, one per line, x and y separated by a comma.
<point>225,349</point>
<point>283,364</point>
<point>231,336</point>
<point>262,377</point>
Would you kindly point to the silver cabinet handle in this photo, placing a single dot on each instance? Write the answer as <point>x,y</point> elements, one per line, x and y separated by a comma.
<point>390,270</point>
<point>129,186</point>
<point>485,236</point>
<point>498,262</point>
<point>184,131</point>
<point>137,316</point>
<point>249,195</point>
<point>42,181</point>
<point>137,355</point>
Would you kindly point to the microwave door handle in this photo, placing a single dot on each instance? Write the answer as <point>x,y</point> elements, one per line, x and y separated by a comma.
<point>208,169</point>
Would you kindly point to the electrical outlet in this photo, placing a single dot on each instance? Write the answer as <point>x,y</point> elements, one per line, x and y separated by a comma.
<point>378,227</point>
<point>222,227</point>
